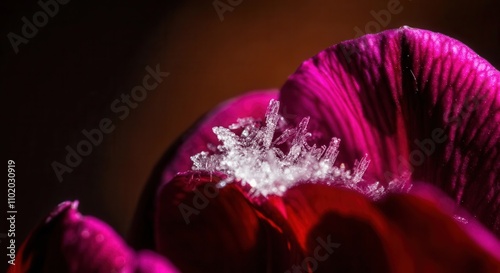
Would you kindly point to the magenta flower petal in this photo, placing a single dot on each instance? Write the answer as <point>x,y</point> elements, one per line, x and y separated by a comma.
<point>202,228</point>
<point>148,261</point>
<point>417,102</point>
<point>177,158</point>
<point>69,242</point>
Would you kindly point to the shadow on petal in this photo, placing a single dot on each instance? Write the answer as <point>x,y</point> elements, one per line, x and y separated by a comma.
<point>203,228</point>
<point>342,231</point>
<point>438,242</point>
<point>329,219</point>
<point>345,244</point>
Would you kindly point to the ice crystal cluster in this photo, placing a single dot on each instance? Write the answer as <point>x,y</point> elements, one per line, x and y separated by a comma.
<point>250,153</point>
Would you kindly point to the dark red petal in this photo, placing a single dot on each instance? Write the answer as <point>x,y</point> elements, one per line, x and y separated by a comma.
<point>342,231</point>
<point>413,100</point>
<point>436,241</point>
<point>202,228</point>
<point>177,158</point>
<point>68,242</point>
<point>477,232</point>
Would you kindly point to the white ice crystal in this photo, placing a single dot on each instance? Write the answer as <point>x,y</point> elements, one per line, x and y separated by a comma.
<point>254,156</point>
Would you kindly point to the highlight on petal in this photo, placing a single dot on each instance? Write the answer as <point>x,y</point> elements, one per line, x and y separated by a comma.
<point>177,158</point>
<point>422,105</point>
<point>69,242</point>
<point>148,261</point>
<point>203,228</point>
<point>342,231</point>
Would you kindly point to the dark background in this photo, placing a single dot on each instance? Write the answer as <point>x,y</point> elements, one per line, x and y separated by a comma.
<point>90,52</point>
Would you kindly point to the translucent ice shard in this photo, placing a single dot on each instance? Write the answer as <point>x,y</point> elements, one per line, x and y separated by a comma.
<point>257,158</point>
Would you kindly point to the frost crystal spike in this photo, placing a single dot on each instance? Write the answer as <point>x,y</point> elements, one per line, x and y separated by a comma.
<point>252,157</point>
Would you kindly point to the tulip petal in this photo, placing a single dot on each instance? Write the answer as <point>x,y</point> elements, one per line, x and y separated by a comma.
<point>177,158</point>
<point>72,243</point>
<point>417,102</point>
<point>437,242</point>
<point>203,228</point>
<point>148,261</point>
<point>477,232</point>
<point>342,231</point>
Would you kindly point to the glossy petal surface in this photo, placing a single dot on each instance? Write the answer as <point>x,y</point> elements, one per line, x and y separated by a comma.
<point>417,102</point>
